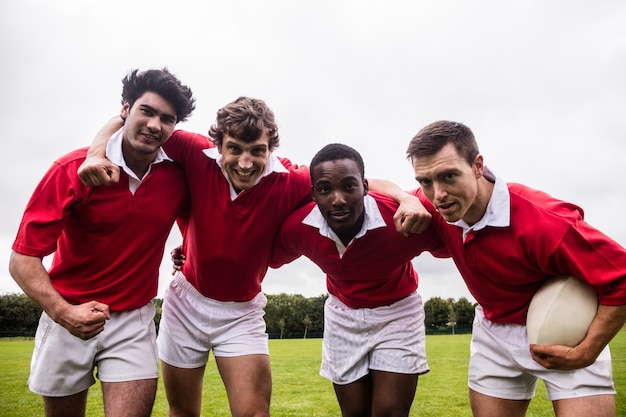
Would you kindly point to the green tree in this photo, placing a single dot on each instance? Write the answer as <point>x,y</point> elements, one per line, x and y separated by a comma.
<point>18,314</point>
<point>285,313</point>
<point>436,312</point>
<point>279,306</point>
<point>281,325</point>
<point>451,314</point>
<point>464,311</point>
<point>307,323</point>
<point>316,313</point>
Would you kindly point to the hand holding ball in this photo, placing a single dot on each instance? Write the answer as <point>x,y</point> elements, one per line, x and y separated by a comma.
<point>560,312</point>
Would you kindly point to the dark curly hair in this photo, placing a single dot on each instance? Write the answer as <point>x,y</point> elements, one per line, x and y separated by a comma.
<point>163,83</point>
<point>245,119</point>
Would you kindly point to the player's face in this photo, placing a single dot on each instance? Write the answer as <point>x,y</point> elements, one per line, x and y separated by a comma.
<point>338,190</point>
<point>244,162</point>
<point>149,124</point>
<point>450,183</point>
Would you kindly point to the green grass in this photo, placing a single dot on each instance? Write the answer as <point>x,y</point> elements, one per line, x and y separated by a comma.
<point>298,390</point>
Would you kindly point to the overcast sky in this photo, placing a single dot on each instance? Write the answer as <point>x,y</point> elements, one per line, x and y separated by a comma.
<point>541,83</point>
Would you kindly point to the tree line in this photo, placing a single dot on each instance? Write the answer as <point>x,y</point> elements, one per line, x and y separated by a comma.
<point>286,315</point>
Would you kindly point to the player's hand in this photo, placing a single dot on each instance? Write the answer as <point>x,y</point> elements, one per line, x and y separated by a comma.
<point>411,216</point>
<point>561,357</point>
<point>85,320</point>
<point>178,259</point>
<point>97,171</point>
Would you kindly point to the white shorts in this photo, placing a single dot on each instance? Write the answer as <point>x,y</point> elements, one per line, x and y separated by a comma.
<point>501,366</point>
<point>63,365</point>
<point>192,325</point>
<point>389,338</point>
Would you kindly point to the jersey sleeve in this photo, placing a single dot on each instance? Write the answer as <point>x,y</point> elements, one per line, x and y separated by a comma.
<point>593,257</point>
<point>282,250</point>
<point>438,250</point>
<point>183,146</point>
<point>46,213</point>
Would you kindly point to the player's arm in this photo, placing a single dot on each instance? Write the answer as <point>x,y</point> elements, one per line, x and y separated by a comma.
<point>602,263</point>
<point>411,216</point>
<point>84,320</point>
<point>97,170</point>
<point>285,248</point>
<point>608,321</point>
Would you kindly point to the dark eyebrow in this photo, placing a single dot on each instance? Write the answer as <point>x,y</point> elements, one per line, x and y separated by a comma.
<point>448,171</point>
<point>148,107</point>
<point>153,110</point>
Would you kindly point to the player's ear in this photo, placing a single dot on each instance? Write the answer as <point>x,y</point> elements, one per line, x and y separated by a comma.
<point>125,110</point>
<point>478,166</point>
<point>365,186</point>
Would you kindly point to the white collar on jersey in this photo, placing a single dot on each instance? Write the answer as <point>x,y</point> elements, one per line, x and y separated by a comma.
<point>498,213</point>
<point>373,220</point>
<point>114,154</point>
<point>273,165</point>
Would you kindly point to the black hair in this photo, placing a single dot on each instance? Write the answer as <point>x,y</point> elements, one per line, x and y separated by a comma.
<point>335,151</point>
<point>163,83</point>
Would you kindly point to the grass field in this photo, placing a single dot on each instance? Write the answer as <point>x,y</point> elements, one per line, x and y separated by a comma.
<point>298,389</point>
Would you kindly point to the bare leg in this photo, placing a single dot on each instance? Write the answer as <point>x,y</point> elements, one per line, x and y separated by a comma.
<point>355,398</point>
<point>486,406</point>
<point>130,398</point>
<point>248,383</point>
<point>593,406</point>
<point>70,406</point>
<point>183,388</point>
<point>393,393</point>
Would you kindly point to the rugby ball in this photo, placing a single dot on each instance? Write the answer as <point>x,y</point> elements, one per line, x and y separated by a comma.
<point>560,312</point>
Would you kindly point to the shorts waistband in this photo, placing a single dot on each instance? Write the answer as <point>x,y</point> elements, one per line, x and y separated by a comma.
<point>183,285</point>
<point>409,298</point>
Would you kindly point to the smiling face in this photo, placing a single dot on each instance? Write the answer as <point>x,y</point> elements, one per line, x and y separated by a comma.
<point>244,162</point>
<point>451,183</point>
<point>338,189</point>
<point>149,124</point>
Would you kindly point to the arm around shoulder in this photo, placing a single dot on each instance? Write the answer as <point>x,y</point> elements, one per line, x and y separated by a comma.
<point>411,216</point>
<point>97,170</point>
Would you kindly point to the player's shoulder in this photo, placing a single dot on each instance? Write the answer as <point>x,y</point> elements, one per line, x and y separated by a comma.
<point>293,227</point>
<point>298,169</point>
<point>184,136</point>
<point>75,156</point>
<point>385,203</point>
<point>382,198</point>
<point>71,160</point>
<point>299,213</point>
<point>527,200</point>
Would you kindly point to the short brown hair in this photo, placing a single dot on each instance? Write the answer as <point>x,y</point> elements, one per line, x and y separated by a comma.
<point>433,137</point>
<point>245,119</point>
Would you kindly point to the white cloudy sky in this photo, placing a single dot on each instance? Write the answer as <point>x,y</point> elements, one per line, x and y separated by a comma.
<point>541,83</point>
